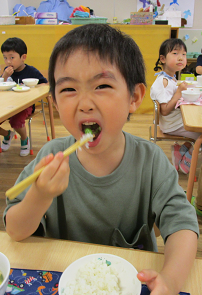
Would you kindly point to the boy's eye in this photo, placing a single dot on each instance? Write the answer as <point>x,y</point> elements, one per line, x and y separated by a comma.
<point>68,89</point>
<point>103,86</point>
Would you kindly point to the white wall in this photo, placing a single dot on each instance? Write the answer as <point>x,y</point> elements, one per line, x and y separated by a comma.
<point>6,6</point>
<point>195,31</point>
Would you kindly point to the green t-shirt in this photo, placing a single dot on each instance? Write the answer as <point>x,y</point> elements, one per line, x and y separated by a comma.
<point>118,209</point>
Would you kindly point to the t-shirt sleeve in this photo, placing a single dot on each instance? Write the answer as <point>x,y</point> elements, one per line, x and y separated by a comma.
<point>159,92</point>
<point>28,170</point>
<point>52,146</point>
<point>37,74</point>
<point>170,206</point>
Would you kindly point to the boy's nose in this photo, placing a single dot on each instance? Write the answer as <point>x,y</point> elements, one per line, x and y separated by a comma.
<point>85,110</point>
<point>86,104</point>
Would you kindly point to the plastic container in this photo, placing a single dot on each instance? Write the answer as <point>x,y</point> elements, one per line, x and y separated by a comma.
<point>190,55</point>
<point>197,54</point>
<point>88,20</point>
<point>141,18</point>
<point>7,20</point>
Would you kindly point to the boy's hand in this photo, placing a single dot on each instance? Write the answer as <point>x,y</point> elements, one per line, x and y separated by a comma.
<point>8,72</point>
<point>54,179</point>
<point>156,282</point>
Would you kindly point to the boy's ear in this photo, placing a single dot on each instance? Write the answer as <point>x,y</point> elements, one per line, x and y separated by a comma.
<point>138,95</point>
<point>162,59</point>
<point>24,56</point>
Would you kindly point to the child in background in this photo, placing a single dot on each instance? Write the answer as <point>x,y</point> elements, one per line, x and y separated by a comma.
<point>199,64</point>
<point>112,192</point>
<point>172,58</point>
<point>14,52</point>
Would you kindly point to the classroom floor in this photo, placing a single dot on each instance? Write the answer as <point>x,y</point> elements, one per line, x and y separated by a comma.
<point>11,164</point>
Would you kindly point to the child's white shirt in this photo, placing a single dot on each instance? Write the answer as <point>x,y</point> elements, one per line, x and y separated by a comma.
<point>172,121</point>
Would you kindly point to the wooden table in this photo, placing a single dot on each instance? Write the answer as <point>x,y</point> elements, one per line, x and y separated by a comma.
<point>192,119</point>
<point>56,255</point>
<point>12,102</point>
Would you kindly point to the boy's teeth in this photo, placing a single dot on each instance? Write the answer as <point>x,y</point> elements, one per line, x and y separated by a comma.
<point>89,123</point>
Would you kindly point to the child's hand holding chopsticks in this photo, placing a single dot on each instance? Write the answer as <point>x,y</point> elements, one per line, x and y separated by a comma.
<point>54,178</point>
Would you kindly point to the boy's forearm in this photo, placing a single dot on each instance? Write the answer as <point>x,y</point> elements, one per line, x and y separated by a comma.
<point>5,76</point>
<point>180,252</point>
<point>23,219</point>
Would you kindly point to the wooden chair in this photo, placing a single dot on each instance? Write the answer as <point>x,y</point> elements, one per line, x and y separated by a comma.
<point>29,124</point>
<point>29,119</point>
<point>155,133</point>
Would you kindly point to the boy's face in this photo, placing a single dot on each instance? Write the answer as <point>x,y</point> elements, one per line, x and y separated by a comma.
<point>13,59</point>
<point>92,93</point>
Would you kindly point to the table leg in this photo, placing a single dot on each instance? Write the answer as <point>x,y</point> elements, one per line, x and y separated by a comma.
<point>192,171</point>
<point>50,107</point>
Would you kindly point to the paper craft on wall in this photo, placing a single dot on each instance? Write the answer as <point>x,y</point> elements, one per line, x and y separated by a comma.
<point>185,6</point>
<point>194,40</point>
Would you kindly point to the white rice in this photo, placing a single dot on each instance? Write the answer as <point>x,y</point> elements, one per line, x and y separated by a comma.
<point>95,278</point>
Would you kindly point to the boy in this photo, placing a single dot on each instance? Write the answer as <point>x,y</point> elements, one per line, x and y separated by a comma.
<point>113,192</point>
<point>14,52</point>
<point>199,64</point>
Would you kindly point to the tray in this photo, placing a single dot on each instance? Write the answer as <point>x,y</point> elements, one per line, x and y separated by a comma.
<point>88,20</point>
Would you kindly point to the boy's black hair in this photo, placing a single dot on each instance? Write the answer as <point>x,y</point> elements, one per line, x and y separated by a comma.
<point>14,44</point>
<point>167,46</point>
<point>110,44</point>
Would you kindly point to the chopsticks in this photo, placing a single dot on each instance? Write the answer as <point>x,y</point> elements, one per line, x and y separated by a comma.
<point>21,186</point>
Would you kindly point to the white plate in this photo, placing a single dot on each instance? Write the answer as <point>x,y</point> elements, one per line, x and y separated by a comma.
<point>23,88</point>
<point>127,274</point>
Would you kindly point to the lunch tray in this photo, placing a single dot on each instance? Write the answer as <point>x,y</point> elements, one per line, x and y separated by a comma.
<point>88,20</point>
<point>41,282</point>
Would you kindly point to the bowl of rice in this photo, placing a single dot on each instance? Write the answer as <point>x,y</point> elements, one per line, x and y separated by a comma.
<point>101,273</point>
<point>4,273</point>
<point>191,94</point>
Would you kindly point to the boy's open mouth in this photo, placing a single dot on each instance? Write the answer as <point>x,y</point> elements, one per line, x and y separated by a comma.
<point>94,127</point>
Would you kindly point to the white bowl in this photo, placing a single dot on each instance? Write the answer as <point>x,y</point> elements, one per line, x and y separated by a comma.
<point>6,85</point>
<point>5,270</point>
<point>30,82</point>
<point>126,272</point>
<point>191,94</point>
